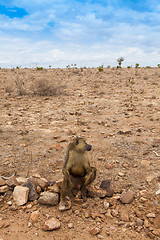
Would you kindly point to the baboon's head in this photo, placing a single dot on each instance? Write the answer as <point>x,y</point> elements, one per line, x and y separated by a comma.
<point>79,144</point>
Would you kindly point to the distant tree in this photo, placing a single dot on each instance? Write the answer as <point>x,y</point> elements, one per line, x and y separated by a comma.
<point>120,60</point>
<point>158,65</point>
<point>136,65</point>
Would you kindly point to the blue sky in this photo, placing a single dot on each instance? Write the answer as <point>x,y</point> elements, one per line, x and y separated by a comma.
<point>83,32</point>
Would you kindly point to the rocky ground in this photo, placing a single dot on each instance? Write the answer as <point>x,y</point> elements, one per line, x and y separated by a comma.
<point>118,112</point>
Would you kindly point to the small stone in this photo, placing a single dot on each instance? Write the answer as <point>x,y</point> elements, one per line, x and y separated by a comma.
<point>12,182</point>
<point>38,189</point>
<point>108,213</point>
<point>127,197</point>
<point>114,212</point>
<point>9,203</point>
<point>2,182</point>
<point>70,225</point>
<point>33,195</point>
<point>21,180</point>
<point>94,192</point>
<point>13,208</point>
<point>48,198</point>
<point>4,189</point>
<point>157,192</point>
<point>150,215</point>
<point>150,178</point>
<point>34,217</point>
<point>76,212</point>
<point>100,236</point>
<point>51,224</point>
<point>139,222</point>
<point>121,174</point>
<point>106,204</point>
<point>124,216</point>
<point>54,188</point>
<point>36,175</point>
<point>145,163</point>
<point>124,131</point>
<point>87,214</point>
<point>107,185</point>
<point>146,223</point>
<point>95,231</point>
<point>42,182</point>
<point>20,195</point>
<point>142,200</point>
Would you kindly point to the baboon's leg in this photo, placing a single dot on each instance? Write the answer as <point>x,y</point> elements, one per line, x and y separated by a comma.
<point>88,179</point>
<point>64,203</point>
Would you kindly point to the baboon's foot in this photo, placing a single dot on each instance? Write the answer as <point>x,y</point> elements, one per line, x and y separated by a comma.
<point>65,205</point>
<point>78,197</point>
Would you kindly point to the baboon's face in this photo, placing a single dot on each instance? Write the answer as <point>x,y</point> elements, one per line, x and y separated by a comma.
<point>82,146</point>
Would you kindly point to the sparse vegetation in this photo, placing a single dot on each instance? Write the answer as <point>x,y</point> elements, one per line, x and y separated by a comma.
<point>28,85</point>
<point>120,60</point>
<point>45,87</point>
<point>136,65</point>
<point>39,68</point>
<point>100,68</point>
<point>158,65</point>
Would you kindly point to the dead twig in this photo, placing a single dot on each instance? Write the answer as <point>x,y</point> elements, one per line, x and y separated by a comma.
<point>7,178</point>
<point>156,154</point>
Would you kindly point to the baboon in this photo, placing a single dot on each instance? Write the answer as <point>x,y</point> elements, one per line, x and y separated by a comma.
<point>76,166</point>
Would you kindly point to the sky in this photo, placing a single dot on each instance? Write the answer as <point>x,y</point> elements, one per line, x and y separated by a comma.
<point>87,33</point>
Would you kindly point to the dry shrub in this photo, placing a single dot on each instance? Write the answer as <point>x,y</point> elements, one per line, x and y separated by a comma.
<point>28,84</point>
<point>47,88</point>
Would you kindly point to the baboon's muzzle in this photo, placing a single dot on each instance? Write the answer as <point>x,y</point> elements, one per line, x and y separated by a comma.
<point>88,147</point>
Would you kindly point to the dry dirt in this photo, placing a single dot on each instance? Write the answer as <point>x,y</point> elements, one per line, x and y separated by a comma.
<point>118,112</point>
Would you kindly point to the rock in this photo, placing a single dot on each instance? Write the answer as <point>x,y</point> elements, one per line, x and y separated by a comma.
<point>107,185</point>
<point>8,193</point>
<point>2,182</point>
<point>145,163</point>
<point>21,180</point>
<point>114,212</point>
<point>94,192</point>
<point>124,215</point>
<point>150,178</point>
<point>12,182</point>
<point>94,231</point>
<point>121,174</point>
<point>59,182</point>
<point>108,213</point>
<point>36,175</point>
<point>157,192</point>
<point>146,223</point>
<point>54,188</point>
<point>100,236</point>
<point>70,225</point>
<point>142,200</point>
<point>33,195</point>
<point>42,182</point>
<point>4,189</point>
<point>139,222</point>
<point>87,214</point>
<point>150,215</point>
<point>124,131</point>
<point>20,195</point>
<point>127,197</point>
<point>38,189</point>
<point>51,224</point>
<point>106,204</point>
<point>34,217</point>
<point>48,198</point>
